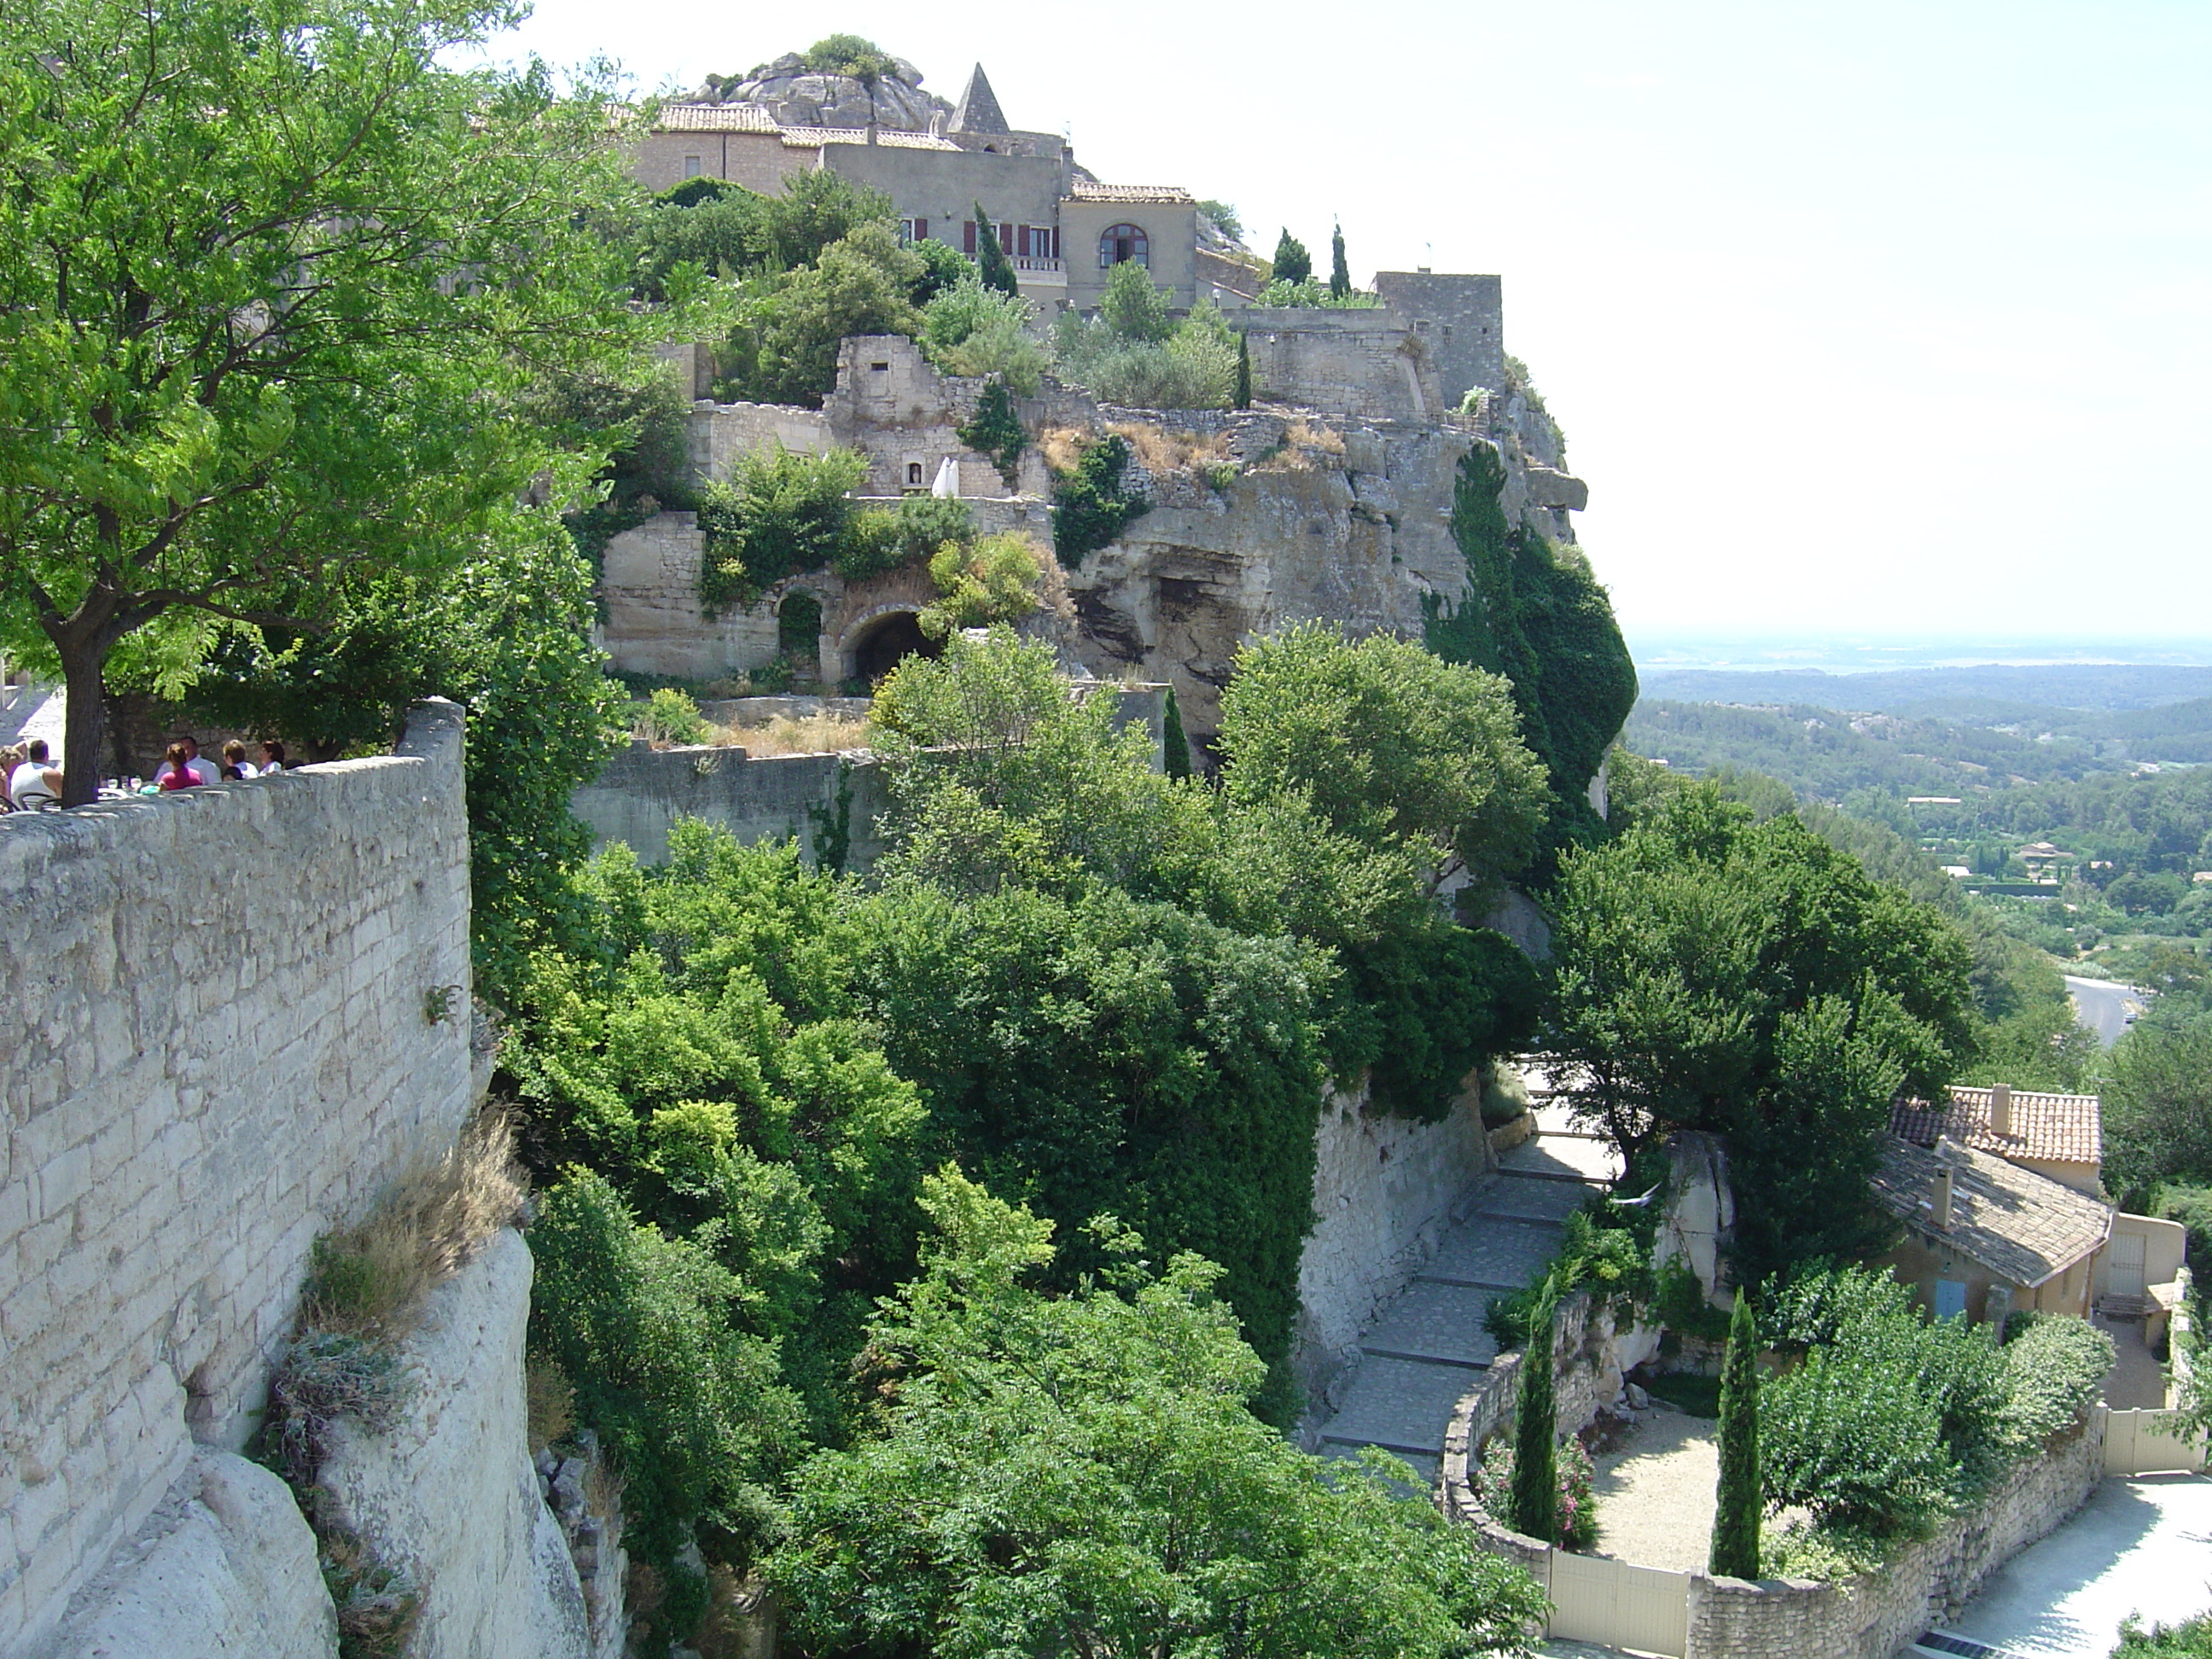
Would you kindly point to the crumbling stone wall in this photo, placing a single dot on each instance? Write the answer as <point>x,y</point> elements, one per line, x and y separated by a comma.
<point>236,1013</point>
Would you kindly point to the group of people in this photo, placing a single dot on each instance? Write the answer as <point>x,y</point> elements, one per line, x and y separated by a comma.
<point>183,769</point>
<point>29,780</point>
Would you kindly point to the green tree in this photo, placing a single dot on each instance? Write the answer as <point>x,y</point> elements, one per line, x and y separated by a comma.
<point>1339,273</point>
<point>272,276</point>
<point>1293,264</point>
<point>1243,399</point>
<point>1092,505</point>
<point>784,349</point>
<point>1389,746</point>
<point>994,269</point>
<point>1134,307</point>
<point>780,513</point>
<point>1174,745</point>
<point>1535,1498</point>
<point>991,579</point>
<point>996,430</point>
<point>1739,1497</point>
<point>2158,1106</point>
<point>1081,1474</point>
<point>973,330</point>
<point>1716,973</point>
<point>1224,219</point>
<point>691,1408</point>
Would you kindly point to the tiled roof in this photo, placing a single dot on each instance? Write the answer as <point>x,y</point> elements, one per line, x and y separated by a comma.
<point>714,118</point>
<point>1090,190</point>
<point>2022,1226</point>
<point>2057,1128</point>
<point>888,137</point>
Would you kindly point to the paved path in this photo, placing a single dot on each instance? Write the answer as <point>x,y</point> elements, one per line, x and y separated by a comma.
<point>2105,1006</point>
<point>2142,1546</point>
<point>1426,1347</point>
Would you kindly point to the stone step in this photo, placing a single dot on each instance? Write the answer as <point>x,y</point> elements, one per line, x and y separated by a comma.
<point>1563,1157</point>
<point>1401,1405</point>
<point>1494,1254</point>
<point>1436,1322</point>
<point>1508,1198</point>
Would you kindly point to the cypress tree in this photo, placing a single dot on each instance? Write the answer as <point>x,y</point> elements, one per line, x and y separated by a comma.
<point>1535,1494</point>
<point>1175,747</point>
<point>1292,263</point>
<point>996,270</point>
<point>1339,273</point>
<point>1737,1499</point>
<point>1243,370</point>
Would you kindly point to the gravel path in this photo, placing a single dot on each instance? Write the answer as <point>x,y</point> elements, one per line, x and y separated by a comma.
<point>1655,1496</point>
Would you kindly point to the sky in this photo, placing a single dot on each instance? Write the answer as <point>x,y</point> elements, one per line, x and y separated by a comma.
<point>1889,320</point>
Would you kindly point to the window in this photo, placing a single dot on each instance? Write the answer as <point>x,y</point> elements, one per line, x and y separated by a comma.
<point>914,474</point>
<point>913,230</point>
<point>1121,242</point>
<point>692,166</point>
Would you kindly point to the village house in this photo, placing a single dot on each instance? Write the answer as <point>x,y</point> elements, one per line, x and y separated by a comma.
<point>2002,1195</point>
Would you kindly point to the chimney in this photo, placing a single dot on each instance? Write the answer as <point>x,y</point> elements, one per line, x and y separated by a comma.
<point>2000,1108</point>
<point>1940,1206</point>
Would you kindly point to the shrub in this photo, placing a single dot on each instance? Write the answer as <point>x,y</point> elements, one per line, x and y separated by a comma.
<point>689,1407</point>
<point>972,330</point>
<point>2190,1639</point>
<point>911,533</point>
<point>996,430</point>
<point>1174,746</point>
<point>1292,263</point>
<point>1850,1436</point>
<point>1607,1260</point>
<point>1310,295</point>
<point>1092,505</point>
<point>2055,1369</point>
<point>781,513</point>
<point>671,716</point>
<point>994,580</point>
<point>1575,1523</point>
<point>377,1605</point>
<point>324,1376</point>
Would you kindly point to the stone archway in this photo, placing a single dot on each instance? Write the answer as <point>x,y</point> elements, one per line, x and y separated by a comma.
<point>885,640</point>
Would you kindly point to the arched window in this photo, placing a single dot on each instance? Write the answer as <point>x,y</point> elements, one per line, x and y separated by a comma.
<point>1120,242</point>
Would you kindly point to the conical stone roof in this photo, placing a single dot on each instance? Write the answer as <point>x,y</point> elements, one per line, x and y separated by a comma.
<point>978,110</point>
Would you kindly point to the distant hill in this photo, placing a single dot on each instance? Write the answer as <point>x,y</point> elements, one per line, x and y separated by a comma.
<point>1985,695</point>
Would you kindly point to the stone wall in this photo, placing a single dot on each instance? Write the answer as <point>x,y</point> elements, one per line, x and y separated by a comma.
<point>1385,1190</point>
<point>1371,364</point>
<point>641,793</point>
<point>223,1043</point>
<point>1926,1583</point>
<point>1461,319</point>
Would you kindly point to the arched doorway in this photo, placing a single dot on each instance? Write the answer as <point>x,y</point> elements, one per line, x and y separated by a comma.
<point>799,625</point>
<point>887,640</point>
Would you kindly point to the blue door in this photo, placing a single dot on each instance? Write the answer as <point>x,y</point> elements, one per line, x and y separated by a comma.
<point>1950,1298</point>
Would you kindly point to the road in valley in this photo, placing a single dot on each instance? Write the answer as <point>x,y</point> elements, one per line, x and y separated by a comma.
<point>2104,1006</point>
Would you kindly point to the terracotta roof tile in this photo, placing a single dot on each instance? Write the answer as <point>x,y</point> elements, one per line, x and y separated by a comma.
<point>888,137</point>
<point>714,118</point>
<point>2056,1129</point>
<point>1090,190</point>
<point>2023,1226</point>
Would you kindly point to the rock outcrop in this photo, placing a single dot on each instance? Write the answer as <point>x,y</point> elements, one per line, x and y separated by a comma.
<point>795,96</point>
<point>449,1493</point>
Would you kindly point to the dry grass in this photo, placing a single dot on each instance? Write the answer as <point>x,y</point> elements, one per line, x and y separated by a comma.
<point>372,1278</point>
<point>1304,434</point>
<point>549,1404</point>
<point>789,734</point>
<point>1063,447</point>
<point>1162,451</point>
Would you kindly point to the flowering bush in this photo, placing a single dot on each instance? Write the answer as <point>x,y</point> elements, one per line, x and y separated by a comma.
<point>1493,1481</point>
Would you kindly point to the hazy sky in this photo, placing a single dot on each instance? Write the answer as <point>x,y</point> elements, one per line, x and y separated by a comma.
<point>1871,316</point>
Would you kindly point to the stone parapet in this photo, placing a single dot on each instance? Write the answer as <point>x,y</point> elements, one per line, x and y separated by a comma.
<point>237,1012</point>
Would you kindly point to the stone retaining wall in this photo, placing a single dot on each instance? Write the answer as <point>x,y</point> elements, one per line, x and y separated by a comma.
<point>236,1013</point>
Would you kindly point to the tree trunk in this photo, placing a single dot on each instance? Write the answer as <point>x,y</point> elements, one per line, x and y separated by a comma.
<point>84,739</point>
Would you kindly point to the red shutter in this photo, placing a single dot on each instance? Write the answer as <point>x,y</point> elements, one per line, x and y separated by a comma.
<point>1024,242</point>
<point>967,237</point>
<point>922,230</point>
<point>1006,238</point>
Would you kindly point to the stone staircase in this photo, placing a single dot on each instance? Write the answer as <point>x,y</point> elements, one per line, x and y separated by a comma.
<point>1426,1347</point>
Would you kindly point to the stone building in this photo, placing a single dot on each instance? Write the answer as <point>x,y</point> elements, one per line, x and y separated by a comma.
<point>2061,1136</point>
<point>1063,228</point>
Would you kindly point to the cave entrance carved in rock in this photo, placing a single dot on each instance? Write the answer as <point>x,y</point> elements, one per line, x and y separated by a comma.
<point>884,641</point>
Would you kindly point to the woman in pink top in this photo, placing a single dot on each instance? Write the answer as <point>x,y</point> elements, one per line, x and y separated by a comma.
<point>177,774</point>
